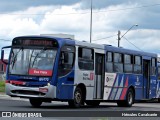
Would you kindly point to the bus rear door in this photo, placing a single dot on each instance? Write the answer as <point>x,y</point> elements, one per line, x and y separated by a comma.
<point>146,79</point>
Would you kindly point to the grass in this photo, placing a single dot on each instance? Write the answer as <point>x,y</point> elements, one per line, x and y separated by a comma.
<point>2,86</point>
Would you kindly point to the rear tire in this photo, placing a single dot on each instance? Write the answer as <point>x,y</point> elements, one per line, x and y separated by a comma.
<point>78,99</point>
<point>35,102</point>
<point>129,99</point>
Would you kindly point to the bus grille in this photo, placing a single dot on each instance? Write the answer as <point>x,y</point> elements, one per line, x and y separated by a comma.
<point>27,92</point>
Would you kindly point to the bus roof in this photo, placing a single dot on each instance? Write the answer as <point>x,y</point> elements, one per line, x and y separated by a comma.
<point>92,45</point>
<point>129,51</point>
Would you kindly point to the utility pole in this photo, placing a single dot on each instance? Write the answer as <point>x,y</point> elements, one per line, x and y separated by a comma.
<point>119,38</point>
<point>91,24</point>
<point>119,33</point>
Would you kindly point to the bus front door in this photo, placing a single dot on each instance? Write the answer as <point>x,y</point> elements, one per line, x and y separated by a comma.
<point>99,76</point>
<point>146,78</point>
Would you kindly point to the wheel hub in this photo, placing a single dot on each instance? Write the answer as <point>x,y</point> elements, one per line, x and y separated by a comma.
<point>130,98</point>
<point>78,97</point>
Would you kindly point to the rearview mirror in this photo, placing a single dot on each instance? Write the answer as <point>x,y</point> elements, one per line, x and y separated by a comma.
<point>2,54</point>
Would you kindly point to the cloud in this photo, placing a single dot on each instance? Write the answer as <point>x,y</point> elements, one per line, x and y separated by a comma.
<point>85,4</point>
<point>18,5</point>
<point>106,22</point>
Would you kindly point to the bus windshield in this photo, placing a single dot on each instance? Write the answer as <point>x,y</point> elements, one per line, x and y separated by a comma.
<point>38,62</point>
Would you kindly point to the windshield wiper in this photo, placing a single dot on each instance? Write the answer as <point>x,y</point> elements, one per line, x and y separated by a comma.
<point>15,57</point>
<point>44,49</point>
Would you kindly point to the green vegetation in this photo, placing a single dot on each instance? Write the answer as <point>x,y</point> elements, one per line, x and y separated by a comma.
<point>2,86</point>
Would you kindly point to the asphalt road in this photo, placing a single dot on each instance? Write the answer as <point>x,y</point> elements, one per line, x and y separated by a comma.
<point>17,104</point>
<point>23,105</point>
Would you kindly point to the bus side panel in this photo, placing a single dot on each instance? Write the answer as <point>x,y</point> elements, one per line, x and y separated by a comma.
<point>65,86</point>
<point>110,79</point>
<point>136,81</point>
<point>138,85</point>
<point>87,79</point>
<point>158,89</point>
<point>116,86</point>
<point>153,87</point>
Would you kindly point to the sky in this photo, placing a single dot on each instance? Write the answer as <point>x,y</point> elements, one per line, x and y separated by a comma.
<point>35,17</point>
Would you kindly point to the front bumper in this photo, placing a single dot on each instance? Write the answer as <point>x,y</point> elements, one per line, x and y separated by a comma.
<point>28,92</point>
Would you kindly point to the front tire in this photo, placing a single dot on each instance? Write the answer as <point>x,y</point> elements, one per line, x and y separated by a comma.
<point>35,102</point>
<point>78,99</point>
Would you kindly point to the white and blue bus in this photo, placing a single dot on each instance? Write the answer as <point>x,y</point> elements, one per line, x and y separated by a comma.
<point>45,69</point>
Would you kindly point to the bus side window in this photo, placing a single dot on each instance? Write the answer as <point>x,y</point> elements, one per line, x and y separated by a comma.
<point>118,63</point>
<point>66,62</point>
<point>153,66</point>
<point>128,66</point>
<point>85,58</point>
<point>109,62</point>
<point>137,65</point>
<point>158,72</point>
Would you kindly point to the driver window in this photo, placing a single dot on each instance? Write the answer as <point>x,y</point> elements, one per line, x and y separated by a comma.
<point>66,60</point>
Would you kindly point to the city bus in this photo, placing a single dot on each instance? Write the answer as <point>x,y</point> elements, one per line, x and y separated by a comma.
<point>47,68</point>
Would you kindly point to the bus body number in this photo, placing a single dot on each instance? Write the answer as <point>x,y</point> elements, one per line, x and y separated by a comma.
<point>43,79</point>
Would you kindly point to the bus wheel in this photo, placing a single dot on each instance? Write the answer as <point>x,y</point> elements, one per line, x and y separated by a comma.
<point>35,102</point>
<point>159,100</point>
<point>93,103</point>
<point>129,98</point>
<point>78,99</point>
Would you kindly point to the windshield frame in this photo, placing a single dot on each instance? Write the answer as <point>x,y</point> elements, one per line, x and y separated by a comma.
<point>29,66</point>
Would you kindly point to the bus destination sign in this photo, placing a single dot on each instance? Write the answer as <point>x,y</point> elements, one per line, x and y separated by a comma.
<point>35,42</point>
